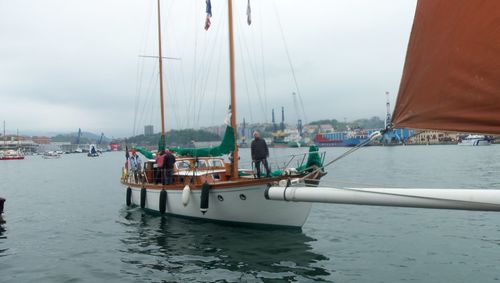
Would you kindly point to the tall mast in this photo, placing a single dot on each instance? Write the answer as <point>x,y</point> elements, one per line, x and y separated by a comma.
<point>161,79</point>
<point>4,139</point>
<point>234,164</point>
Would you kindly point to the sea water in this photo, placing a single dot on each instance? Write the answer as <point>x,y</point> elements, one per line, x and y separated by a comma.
<point>67,222</point>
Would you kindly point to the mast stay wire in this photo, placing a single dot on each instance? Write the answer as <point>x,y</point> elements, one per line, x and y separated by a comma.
<point>251,65</point>
<point>170,76</point>
<point>192,93</point>
<point>373,136</point>
<point>288,54</point>
<point>140,66</point>
<point>216,89</point>
<point>245,77</point>
<point>210,54</point>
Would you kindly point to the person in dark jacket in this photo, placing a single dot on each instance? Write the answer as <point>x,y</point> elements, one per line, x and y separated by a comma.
<point>168,165</point>
<point>260,153</point>
<point>159,174</point>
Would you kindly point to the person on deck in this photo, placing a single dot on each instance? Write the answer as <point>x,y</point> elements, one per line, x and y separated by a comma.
<point>135,166</point>
<point>260,153</point>
<point>160,157</point>
<point>168,167</point>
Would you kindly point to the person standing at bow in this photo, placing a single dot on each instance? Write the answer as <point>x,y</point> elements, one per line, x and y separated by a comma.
<point>168,165</point>
<point>135,166</point>
<point>260,153</point>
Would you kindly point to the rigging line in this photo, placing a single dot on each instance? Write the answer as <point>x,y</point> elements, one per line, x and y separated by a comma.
<point>246,81</point>
<point>302,107</point>
<point>242,38</point>
<point>252,68</point>
<point>146,28</point>
<point>206,76</point>
<point>148,94</point>
<point>184,91</point>
<point>193,79</point>
<point>217,56</point>
<point>140,94</point>
<point>145,115</point>
<point>211,56</point>
<point>287,52</point>
<point>355,148</point>
<point>169,82</point>
<point>217,78</point>
<point>137,92</point>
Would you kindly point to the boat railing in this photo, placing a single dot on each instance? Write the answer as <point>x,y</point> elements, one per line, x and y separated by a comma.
<point>283,162</point>
<point>280,162</point>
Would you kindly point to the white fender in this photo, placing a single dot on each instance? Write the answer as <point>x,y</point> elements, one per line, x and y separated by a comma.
<point>186,192</point>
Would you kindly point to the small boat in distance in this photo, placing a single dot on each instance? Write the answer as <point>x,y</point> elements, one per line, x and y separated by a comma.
<point>51,155</point>
<point>92,151</point>
<point>475,140</point>
<point>11,155</point>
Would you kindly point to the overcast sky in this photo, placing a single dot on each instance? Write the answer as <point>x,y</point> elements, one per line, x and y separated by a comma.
<point>69,64</point>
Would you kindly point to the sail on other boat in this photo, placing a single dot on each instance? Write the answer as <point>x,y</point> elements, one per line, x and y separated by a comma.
<point>206,186</point>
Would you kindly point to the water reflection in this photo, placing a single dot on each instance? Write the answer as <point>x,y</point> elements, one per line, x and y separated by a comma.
<point>184,249</point>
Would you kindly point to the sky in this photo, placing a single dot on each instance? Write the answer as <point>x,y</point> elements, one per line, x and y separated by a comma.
<point>69,64</point>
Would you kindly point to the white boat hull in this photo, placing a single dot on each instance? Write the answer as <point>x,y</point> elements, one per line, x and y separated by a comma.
<point>475,143</point>
<point>239,205</point>
<point>474,140</point>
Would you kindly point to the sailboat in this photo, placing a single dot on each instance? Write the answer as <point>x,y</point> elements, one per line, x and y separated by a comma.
<point>450,82</point>
<point>207,187</point>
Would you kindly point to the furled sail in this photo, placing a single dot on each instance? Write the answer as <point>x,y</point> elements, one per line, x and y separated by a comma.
<point>225,147</point>
<point>451,77</point>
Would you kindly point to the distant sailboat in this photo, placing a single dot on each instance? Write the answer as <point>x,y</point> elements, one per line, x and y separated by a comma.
<point>10,154</point>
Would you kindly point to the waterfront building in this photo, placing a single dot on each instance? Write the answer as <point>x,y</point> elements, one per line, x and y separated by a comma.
<point>434,137</point>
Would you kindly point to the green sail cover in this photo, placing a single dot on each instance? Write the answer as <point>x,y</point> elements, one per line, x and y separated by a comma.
<point>148,154</point>
<point>313,159</point>
<point>226,146</point>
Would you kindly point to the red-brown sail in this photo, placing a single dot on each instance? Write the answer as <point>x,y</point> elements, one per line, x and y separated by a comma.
<point>451,77</point>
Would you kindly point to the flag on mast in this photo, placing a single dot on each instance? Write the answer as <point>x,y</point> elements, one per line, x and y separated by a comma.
<point>249,13</point>
<point>209,14</point>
